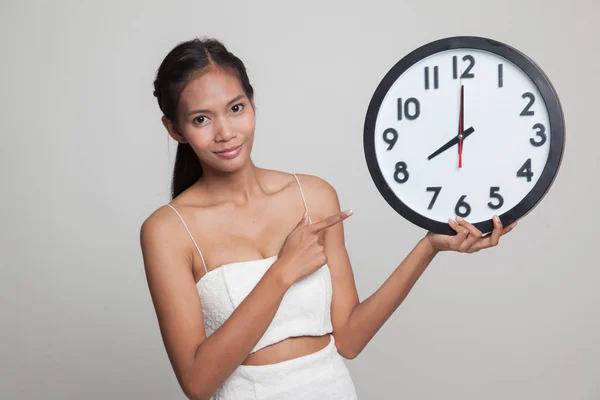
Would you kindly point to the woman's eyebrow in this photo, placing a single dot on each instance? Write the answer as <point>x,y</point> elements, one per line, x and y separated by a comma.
<point>204,111</point>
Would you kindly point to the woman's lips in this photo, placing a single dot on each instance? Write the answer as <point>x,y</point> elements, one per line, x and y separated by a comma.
<point>230,153</point>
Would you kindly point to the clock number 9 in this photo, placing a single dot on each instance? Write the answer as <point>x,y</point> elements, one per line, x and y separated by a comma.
<point>391,141</point>
<point>460,205</point>
<point>401,169</point>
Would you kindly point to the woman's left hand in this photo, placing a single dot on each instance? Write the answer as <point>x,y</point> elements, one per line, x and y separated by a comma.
<point>468,239</point>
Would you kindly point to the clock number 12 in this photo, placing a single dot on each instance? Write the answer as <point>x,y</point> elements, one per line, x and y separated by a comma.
<point>467,73</point>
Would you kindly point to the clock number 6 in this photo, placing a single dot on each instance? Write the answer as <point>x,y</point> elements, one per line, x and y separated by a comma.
<point>462,204</point>
<point>401,169</point>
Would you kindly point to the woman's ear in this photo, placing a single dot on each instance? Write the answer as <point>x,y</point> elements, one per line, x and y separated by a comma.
<point>173,130</point>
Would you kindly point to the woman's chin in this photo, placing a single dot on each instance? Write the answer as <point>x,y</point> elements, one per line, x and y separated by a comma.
<point>231,165</point>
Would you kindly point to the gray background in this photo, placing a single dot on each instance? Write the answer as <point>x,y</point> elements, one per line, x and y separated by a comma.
<point>84,160</point>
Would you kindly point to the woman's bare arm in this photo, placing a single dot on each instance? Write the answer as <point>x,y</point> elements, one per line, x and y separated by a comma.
<point>354,322</point>
<point>201,364</point>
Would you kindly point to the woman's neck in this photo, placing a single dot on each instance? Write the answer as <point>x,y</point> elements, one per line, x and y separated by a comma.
<point>238,186</point>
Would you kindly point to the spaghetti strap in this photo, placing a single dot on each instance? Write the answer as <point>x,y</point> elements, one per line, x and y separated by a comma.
<point>303,198</point>
<point>190,233</point>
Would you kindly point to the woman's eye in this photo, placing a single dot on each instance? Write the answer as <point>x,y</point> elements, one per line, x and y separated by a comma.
<point>200,120</point>
<point>237,108</point>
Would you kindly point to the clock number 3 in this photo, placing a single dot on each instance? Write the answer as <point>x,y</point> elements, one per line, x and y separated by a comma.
<point>541,133</point>
<point>401,175</point>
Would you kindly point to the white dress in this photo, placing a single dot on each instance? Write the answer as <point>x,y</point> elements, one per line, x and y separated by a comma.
<point>305,310</point>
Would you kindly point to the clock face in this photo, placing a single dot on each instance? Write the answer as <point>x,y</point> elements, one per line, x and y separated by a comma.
<point>464,127</point>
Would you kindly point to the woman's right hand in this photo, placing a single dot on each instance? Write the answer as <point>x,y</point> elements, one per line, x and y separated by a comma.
<point>303,251</point>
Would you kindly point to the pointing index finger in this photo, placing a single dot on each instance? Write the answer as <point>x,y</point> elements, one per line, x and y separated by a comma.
<point>330,221</point>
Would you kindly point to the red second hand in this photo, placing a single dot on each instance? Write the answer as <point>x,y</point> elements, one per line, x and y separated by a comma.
<point>460,125</point>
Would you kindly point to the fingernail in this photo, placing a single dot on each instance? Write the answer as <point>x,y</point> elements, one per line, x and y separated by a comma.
<point>349,212</point>
<point>459,219</point>
<point>496,218</point>
<point>305,214</point>
<point>450,221</point>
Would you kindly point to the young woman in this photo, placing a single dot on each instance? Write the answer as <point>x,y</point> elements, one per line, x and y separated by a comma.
<point>247,267</point>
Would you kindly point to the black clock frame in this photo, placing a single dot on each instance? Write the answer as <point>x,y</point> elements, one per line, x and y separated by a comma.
<point>535,73</point>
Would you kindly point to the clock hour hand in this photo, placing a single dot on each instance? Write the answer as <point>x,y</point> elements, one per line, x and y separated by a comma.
<point>451,143</point>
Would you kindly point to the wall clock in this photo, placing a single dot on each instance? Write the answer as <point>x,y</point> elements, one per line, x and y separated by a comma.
<point>464,126</point>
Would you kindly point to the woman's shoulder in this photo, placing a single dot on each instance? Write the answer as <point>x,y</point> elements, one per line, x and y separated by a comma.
<point>312,185</point>
<point>177,208</point>
<point>160,222</point>
<point>317,184</point>
<point>321,197</point>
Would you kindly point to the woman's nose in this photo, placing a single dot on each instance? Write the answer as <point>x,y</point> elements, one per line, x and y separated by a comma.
<point>225,132</point>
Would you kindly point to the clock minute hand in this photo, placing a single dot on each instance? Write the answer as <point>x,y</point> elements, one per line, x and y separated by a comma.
<point>451,143</point>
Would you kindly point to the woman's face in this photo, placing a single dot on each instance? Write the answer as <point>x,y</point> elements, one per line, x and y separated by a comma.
<point>217,119</point>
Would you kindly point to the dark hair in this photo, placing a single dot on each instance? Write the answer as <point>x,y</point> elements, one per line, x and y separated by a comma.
<point>174,73</point>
